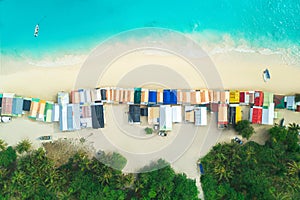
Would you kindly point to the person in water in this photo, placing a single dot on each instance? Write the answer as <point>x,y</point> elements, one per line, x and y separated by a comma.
<point>36,31</point>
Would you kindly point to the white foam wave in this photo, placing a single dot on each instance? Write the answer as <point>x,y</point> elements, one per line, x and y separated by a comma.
<point>65,60</point>
<point>216,43</point>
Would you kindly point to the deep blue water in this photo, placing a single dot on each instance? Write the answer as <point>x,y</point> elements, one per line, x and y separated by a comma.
<point>71,26</point>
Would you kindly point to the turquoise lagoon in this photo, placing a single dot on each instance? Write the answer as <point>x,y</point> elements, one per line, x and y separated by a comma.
<point>76,26</point>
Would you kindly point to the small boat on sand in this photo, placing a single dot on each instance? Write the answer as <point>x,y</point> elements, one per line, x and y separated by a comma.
<point>266,75</point>
<point>36,30</point>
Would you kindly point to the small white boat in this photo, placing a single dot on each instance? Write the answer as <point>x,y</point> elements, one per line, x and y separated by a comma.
<point>5,119</point>
<point>36,30</point>
<point>266,75</point>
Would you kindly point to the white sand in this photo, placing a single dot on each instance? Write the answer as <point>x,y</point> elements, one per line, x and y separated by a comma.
<point>238,71</point>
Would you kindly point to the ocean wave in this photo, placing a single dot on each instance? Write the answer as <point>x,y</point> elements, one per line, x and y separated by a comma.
<point>219,43</point>
<point>63,60</point>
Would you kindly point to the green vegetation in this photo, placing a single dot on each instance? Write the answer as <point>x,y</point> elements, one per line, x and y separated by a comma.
<point>163,183</point>
<point>253,171</point>
<point>23,146</point>
<point>114,160</point>
<point>149,130</point>
<point>7,157</point>
<point>297,97</point>
<point>3,145</point>
<point>244,128</point>
<point>75,174</point>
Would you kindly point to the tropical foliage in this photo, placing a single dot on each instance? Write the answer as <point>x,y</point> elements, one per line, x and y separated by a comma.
<point>38,175</point>
<point>244,128</point>
<point>3,145</point>
<point>297,97</point>
<point>253,171</point>
<point>148,130</point>
<point>23,146</point>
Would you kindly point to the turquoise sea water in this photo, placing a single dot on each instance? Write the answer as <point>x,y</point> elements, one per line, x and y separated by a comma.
<point>72,26</point>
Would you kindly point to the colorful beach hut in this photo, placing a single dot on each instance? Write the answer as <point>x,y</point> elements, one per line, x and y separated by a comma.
<point>234,96</point>
<point>205,97</point>
<point>103,94</point>
<point>115,95</point>
<point>26,104</point>
<point>137,95</point>
<point>279,101</point>
<point>109,95</point>
<point>48,111</point>
<point>298,107</point>
<point>41,111</point>
<point>1,95</point>
<point>34,108</point>
<point>98,118</point>
<point>131,96</point>
<point>216,96</point>
<point>235,113</point>
<point>258,98</point>
<point>121,94</point>
<point>69,117</point>
<point>63,117</point>
<point>244,98</point>
<point>251,97</point>
<point>268,98</point>
<point>166,97</point>
<point>55,113</point>
<point>126,96</point>
<point>211,96</point>
<point>173,96</point>
<point>85,116</point>
<point>134,115</point>
<point>81,96</point>
<point>152,100</point>
<point>75,96</point>
<point>17,108</point>
<point>63,98</point>
<point>7,104</point>
<point>95,94</point>
<point>256,115</point>
<point>144,96</point>
<point>189,114</point>
<point>88,96</point>
<point>76,116</point>
<point>160,99</point>
<point>290,102</point>
<point>153,115</point>
<point>268,114</point>
<point>200,116</point>
<point>186,97</point>
<point>222,115</point>
<point>179,97</point>
<point>165,118</point>
<point>224,96</point>
<point>176,114</point>
<point>193,97</point>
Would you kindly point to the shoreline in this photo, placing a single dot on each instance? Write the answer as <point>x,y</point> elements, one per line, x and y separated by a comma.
<point>238,70</point>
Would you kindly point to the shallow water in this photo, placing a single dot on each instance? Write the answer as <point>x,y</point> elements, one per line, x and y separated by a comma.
<point>78,26</point>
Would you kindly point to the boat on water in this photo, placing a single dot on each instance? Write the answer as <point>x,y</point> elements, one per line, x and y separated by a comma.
<point>36,30</point>
<point>266,75</point>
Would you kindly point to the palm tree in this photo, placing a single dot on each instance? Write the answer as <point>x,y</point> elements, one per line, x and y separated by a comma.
<point>124,181</point>
<point>138,185</point>
<point>222,172</point>
<point>294,168</point>
<point>249,152</point>
<point>23,146</point>
<point>3,145</point>
<point>294,127</point>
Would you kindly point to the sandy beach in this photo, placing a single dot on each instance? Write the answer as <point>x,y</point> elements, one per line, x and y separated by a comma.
<point>238,70</point>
